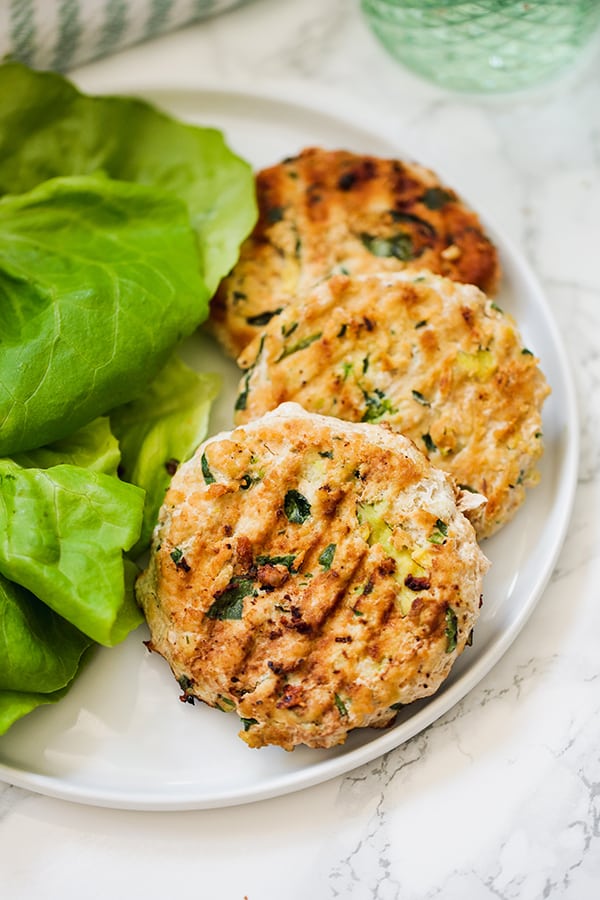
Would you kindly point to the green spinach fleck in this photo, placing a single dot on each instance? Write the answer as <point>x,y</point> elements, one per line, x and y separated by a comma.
<point>287,330</point>
<point>341,706</point>
<point>263,318</point>
<point>430,445</point>
<point>208,476</point>
<point>248,723</point>
<point>377,405</point>
<point>287,561</point>
<point>439,533</point>
<point>399,246</point>
<point>225,704</point>
<point>274,214</point>
<point>451,630</point>
<point>296,507</point>
<point>410,218</point>
<point>326,557</point>
<point>179,559</point>
<point>436,198</point>
<point>185,683</point>
<point>418,396</point>
<point>242,399</point>
<point>229,603</point>
<point>299,345</point>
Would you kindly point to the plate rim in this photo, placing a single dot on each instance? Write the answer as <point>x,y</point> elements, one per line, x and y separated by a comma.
<point>340,107</point>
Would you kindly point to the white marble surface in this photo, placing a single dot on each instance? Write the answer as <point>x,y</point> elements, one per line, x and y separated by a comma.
<point>501,797</point>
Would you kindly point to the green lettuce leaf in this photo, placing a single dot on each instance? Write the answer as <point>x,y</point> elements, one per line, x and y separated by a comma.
<point>92,447</point>
<point>98,282</point>
<point>159,430</point>
<point>39,651</point>
<point>48,128</point>
<point>117,225</point>
<point>16,704</point>
<point>63,531</point>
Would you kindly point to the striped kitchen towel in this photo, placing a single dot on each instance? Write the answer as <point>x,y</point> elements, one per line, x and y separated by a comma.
<point>62,34</point>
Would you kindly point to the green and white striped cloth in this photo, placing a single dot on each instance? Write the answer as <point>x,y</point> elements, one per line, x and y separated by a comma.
<point>62,34</point>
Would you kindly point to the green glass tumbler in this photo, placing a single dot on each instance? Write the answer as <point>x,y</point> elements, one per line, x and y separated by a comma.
<point>490,45</point>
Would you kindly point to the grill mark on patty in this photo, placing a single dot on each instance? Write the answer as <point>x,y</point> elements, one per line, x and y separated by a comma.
<point>243,662</point>
<point>306,644</point>
<point>331,196</point>
<point>308,678</point>
<point>429,394</point>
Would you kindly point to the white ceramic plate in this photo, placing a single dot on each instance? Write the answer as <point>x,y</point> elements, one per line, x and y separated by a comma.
<point>121,738</point>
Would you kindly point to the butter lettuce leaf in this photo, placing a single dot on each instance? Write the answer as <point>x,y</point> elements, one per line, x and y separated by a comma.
<point>98,282</point>
<point>161,429</point>
<point>39,651</point>
<point>48,128</point>
<point>63,532</point>
<point>92,447</point>
<point>116,225</point>
<point>16,704</point>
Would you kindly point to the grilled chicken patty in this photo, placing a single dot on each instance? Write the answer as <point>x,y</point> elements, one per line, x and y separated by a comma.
<point>310,575</point>
<point>434,359</point>
<point>330,211</point>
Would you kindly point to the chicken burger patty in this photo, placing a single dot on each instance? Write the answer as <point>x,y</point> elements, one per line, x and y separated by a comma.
<point>436,360</point>
<point>310,575</point>
<point>328,211</point>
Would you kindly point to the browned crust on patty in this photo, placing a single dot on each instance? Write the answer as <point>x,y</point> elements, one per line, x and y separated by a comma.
<point>309,617</point>
<point>327,211</point>
<point>434,359</point>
